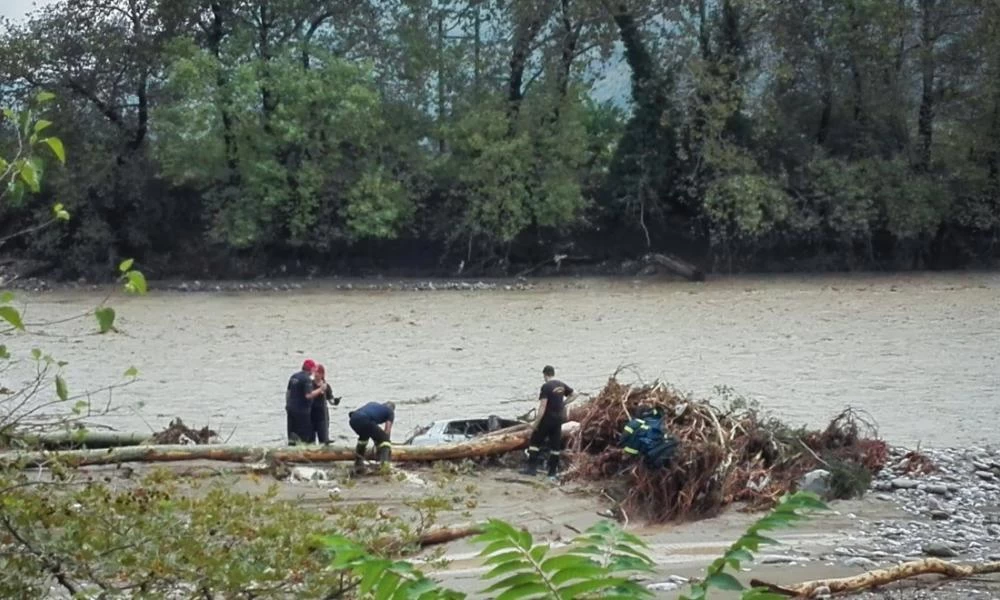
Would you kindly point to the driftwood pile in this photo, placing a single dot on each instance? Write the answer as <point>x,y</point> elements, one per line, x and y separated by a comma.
<point>179,433</point>
<point>725,456</point>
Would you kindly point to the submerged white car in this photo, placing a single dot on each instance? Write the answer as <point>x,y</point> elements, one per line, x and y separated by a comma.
<point>456,430</point>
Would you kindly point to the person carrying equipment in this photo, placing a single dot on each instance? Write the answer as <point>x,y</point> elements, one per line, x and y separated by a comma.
<point>644,436</point>
<point>366,422</point>
<point>548,423</point>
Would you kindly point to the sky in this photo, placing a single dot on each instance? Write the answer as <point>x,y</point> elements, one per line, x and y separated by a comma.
<point>16,9</point>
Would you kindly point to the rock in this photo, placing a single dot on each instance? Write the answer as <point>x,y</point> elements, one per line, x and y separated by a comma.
<point>940,515</point>
<point>883,497</point>
<point>939,550</point>
<point>665,586</point>
<point>981,466</point>
<point>860,562</point>
<point>933,504</point>
<point>882,486</point>
<point>779,559</point>
<point>817,482</point>
<point>903,483</point>
<point>939,489</point>
<point>985,475</point>
<point>308,474</point>
<point>821,592</point>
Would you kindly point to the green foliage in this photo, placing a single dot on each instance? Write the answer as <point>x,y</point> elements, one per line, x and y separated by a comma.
<point>596,565</point>
<point>791,510</point>
<point>154,535</point>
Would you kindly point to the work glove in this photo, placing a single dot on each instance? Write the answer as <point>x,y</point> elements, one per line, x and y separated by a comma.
<point>336,400</point>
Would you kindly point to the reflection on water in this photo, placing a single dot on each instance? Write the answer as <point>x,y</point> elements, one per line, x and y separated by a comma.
<point>917,352</point>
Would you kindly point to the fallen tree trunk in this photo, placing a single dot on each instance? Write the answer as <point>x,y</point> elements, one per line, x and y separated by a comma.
<point>89,439</point>
<point>474,448</point>
<point>676,266</point>
<point>443,535</point>
<point>880,577</point>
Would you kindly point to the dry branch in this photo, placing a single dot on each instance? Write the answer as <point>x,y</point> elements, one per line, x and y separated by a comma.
<point>881,577</point>
<point>443,535</point>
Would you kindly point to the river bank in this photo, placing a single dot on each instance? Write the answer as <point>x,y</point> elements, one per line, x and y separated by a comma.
<point>888,525</point>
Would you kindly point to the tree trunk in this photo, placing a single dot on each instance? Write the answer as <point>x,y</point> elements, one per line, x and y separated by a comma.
<point>474,448</point>
<point>217,33</point>
<point>880,577</point>
<point>925,121</point>
<point>525,32</point>
<point>676,266</point>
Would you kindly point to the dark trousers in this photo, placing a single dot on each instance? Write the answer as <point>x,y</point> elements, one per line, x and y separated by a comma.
<point>367,429</point>
<point>548,436</point>
<point>300,427</point>
<point>320,417</point>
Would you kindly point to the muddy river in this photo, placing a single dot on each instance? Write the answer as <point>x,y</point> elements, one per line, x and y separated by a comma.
<point>918,352</point>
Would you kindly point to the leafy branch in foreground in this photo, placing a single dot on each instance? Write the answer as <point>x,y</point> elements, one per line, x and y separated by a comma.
<point>789,511</point>
<point>596,565</point>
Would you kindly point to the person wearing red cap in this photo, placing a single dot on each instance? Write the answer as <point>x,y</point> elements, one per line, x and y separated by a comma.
<point>298,404</point>
<point>320,411</point>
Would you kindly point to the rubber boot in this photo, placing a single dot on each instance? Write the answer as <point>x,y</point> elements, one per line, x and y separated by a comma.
<point>359,457</point>
<point>553,464</point>
<point>531,469</point>
<point>384,454</point>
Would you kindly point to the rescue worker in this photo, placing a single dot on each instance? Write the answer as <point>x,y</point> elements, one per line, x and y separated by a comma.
<point>365,422</point>
<point>299,396</point>
<point>548,423</point>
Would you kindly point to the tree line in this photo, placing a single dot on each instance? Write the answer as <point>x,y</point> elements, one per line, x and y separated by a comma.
<point>226,137</point>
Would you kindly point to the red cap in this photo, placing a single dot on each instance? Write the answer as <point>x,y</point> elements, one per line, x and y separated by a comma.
<point>309,365</point>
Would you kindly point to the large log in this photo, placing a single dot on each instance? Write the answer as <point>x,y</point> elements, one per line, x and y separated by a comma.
<point>443,535</point>
<point>474,448</point>
<point>676,266</point>
<point>89,439</point>
<point>881,577</point>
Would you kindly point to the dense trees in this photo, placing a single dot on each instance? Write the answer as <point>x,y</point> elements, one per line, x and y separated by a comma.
<point>432,133</point>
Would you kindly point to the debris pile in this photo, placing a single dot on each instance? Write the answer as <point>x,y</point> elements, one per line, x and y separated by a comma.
<point>725,456</point>
<point>179,433</point>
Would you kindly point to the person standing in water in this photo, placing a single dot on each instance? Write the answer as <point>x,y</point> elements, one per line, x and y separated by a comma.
<point>320,411</point>
<point>365,422</point>
<point>548,423</point>
<point>299,396</point>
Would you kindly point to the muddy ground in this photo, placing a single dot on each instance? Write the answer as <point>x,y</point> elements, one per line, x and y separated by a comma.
<point>554,513</point>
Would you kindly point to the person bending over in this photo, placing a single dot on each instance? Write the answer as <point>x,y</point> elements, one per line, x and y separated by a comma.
<point>366,422</point>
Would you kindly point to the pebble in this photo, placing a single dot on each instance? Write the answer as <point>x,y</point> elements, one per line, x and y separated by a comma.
<point>904,484</point>
<point>940,515</point>
<point>939,550</point>
<point>937,488</point>
<point>860,562</point>
<point>987,475</point>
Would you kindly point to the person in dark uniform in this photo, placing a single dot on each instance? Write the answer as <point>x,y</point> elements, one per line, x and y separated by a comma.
<point>548,423</point>
<point>298,404</point>
<point>365,422</point>
<point>320,410</point>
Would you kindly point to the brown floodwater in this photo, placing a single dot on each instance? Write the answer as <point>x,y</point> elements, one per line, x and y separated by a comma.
<point>917,352</point>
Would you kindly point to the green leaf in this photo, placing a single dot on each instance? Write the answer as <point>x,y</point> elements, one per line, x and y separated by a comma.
<point>136,283</point>
<point>6,297</point>
<point>30,175</point>
<point>43,97</point>
<point>61,389</point>
<point>724,581</point>
<point>526,590</point>
<point>79,407</point>
<point>41,124</point>
<point>105,319</point>
<point>512,581</point>
<point>586,587</point>
<point>741,555</point>
<point>507,567</point>
<point>60,213</point>
<point>12,316</point>
<point>56,146</point>
<point>565,561</point>
<point>36,354</point>
<point>131,373</point>
<point>4,353</point>
<point>579,572</point>
<point>126,265</point>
